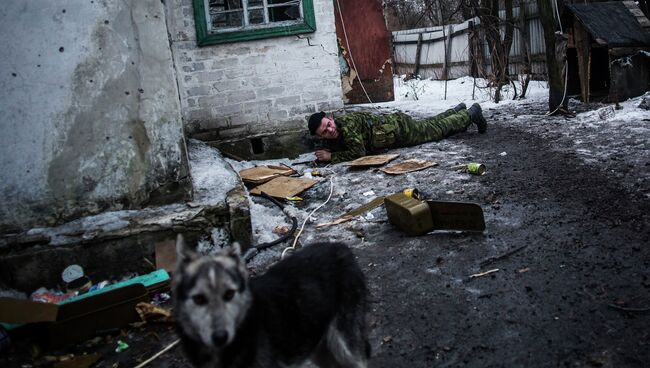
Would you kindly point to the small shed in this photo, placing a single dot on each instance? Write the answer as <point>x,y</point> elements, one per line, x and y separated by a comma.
<point>608,50</point>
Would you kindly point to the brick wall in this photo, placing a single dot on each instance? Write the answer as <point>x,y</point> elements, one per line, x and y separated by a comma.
<point>254,87</point>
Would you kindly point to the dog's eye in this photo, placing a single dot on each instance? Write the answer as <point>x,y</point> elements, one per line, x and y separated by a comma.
<point>199,299</point>
<point>228,295</point>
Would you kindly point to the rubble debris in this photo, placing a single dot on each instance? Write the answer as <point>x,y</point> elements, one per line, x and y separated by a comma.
<point>481,274</point>
<point>408,166</point>
<point>121,346</point>
<point>152,313</point>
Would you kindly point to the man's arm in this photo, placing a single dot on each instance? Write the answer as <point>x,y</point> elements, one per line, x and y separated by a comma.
<point>352,132</point>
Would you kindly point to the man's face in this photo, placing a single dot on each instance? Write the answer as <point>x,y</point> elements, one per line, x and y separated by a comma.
<point>327,129</point>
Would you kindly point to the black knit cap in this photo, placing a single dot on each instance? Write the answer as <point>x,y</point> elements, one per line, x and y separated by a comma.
<point>314,122</point>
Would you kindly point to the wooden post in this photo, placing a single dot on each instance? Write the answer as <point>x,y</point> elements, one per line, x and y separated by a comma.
<point>418,51</point>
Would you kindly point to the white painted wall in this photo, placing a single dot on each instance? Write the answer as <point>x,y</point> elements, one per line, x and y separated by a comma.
<point>89,110</point>
<point>252,87</point>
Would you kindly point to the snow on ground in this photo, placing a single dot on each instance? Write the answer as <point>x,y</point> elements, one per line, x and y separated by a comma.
<point>428,96</point>
<point>596,124</point>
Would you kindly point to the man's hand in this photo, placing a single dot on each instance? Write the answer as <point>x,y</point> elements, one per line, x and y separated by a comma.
<point>323,155</point>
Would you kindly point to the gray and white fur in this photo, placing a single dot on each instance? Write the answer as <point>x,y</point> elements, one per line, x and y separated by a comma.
<point>311,305</point>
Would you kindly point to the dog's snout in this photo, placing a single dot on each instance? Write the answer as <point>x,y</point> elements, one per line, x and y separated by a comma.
<point>220,337</point>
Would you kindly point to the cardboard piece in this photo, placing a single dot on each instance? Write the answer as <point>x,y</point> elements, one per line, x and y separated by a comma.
<point>166,255</point>
<point>376,160</point>
<point>262,174</point>
<point>408,166</point>
<point>283,187</point>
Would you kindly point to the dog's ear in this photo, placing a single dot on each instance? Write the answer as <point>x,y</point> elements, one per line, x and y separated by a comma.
<point>183,252</point>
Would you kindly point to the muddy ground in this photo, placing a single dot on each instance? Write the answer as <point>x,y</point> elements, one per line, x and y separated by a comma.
<point>575,194</point>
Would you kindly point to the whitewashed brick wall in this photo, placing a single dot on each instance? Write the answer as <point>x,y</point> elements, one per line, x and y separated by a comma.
<point>254,87</point>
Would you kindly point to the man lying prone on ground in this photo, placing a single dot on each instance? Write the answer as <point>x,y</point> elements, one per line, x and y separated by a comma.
<point>358,134</point>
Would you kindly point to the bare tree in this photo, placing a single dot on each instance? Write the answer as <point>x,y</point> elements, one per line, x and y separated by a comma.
<point>555,59</point>
<point>488,13</point>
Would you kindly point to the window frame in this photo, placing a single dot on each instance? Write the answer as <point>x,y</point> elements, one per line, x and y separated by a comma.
<point>251,32</point>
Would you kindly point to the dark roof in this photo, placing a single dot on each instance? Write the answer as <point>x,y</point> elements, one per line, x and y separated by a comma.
<point>612,22</point>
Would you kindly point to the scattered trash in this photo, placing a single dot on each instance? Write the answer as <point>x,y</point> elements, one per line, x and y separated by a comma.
<point>281,230</point>
<point>522,270</point>
<point>99,286</point>
<point>79,286</point>
<point>413,193</point>
<point>160,298</point>
<point>121,346</point>
<point>153,313</point>
<point>504,153</point>
<point>481,274</point>
<point>294,199</point>
<point>42,295</point>
<point>377,160</point>
<point>72,273</point>
<point>606,112</point>
<point>476,168</point>
<point>368,193</point>
<point>408,166</point>
<point>81,317</point>
<point>316,173</point>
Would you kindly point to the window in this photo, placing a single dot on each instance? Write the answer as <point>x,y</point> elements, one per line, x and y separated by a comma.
<point>220,21</point>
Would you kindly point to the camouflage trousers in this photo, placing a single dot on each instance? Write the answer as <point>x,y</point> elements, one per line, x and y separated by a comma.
<point>414,132</point>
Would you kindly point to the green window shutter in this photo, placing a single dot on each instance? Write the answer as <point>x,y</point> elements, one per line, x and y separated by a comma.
<point>205,37</point>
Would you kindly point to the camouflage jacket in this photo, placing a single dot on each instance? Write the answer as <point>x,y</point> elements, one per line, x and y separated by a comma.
<point>362,133</point>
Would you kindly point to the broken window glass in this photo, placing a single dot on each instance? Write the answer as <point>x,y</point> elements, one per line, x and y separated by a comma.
<point>225,14</point>
<point>240,20</point>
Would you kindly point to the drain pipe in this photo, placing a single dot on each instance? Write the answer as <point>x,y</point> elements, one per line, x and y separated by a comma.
<point>255,249</point>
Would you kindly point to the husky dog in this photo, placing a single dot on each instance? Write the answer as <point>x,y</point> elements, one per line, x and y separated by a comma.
<point>311,305</point>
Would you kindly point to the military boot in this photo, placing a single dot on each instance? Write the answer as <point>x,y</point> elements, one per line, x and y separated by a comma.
<point>461,106</point>
<point>476,117</point>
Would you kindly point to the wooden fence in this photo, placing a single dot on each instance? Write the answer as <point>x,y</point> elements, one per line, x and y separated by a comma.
<point>422,51</point>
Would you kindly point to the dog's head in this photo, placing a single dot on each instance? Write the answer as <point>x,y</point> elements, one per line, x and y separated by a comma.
<point>211,294</point>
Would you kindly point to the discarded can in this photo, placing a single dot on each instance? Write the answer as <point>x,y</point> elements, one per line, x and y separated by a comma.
<point>316,173</point>
<point>475,168</point>
<point>412,192</point>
